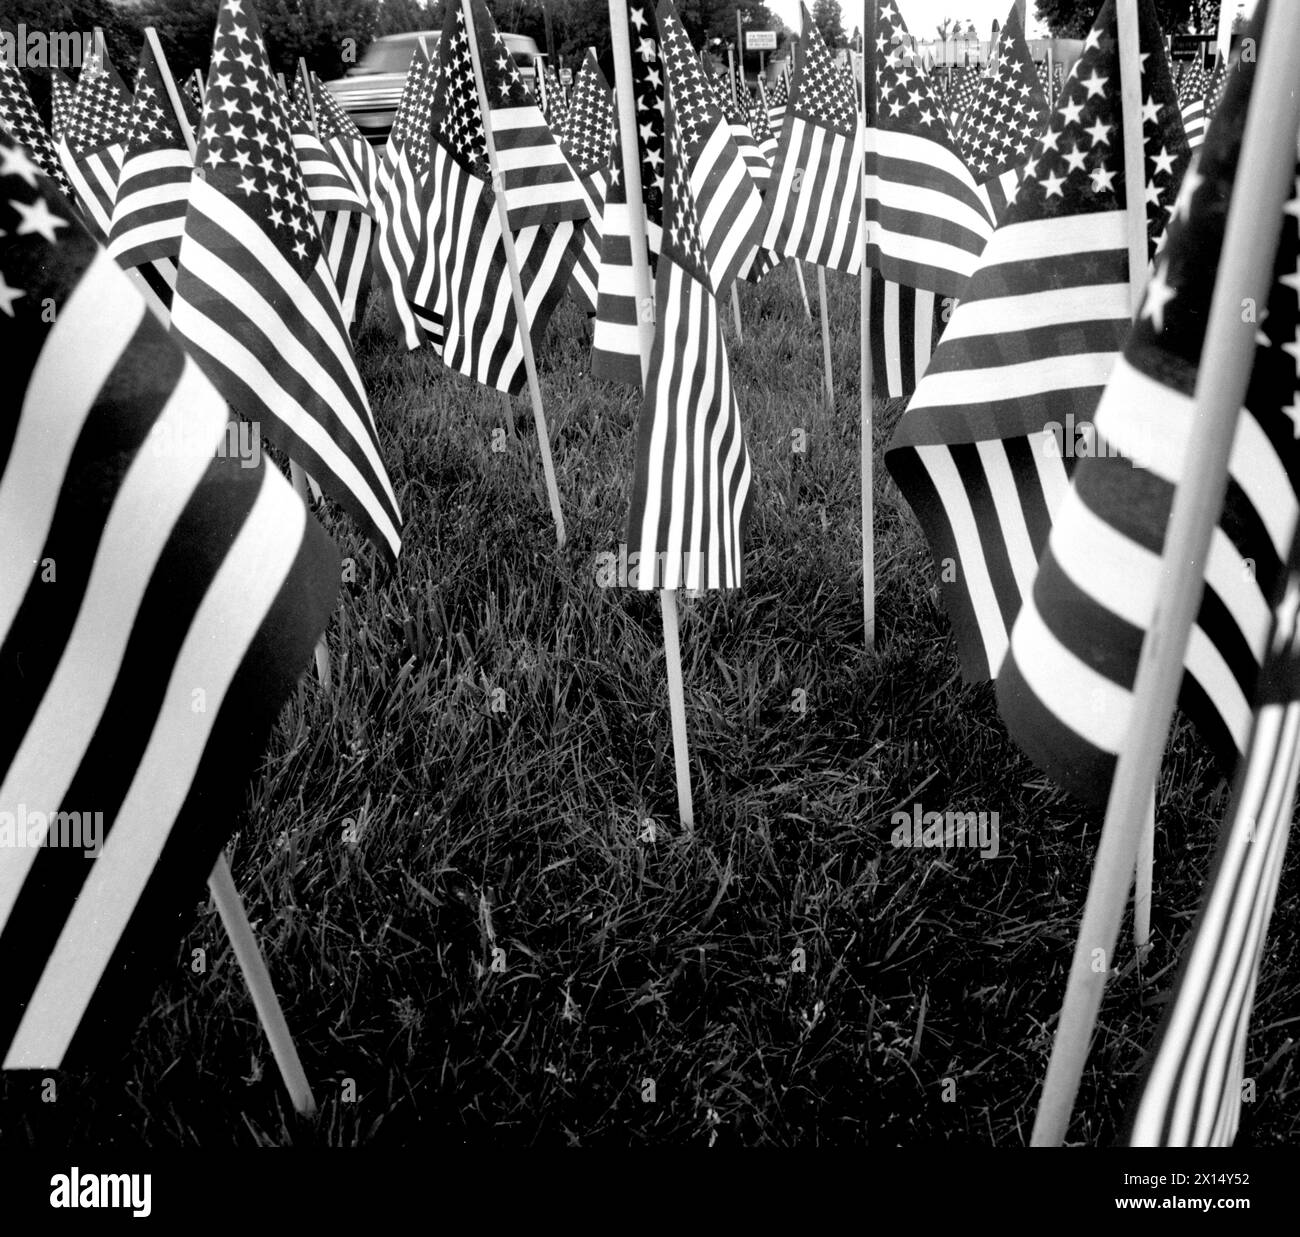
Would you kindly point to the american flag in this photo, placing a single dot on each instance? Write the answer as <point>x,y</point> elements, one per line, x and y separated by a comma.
<point>329,184</point>
<point>93,144</point>
<point>984,451</point>
<point>727,200</point>
<point>760,126</point>
<point>691,477</point>
<point>615,350</point>
<point>1002,126</point>
<point>905,330</point>
<point>139,691</point>
<point>1191,1093</point>
<point>961,94</point>
<point>61,91</point>
<point>194,91</point>
<point>461,277</point>
<point>399,211</point>
<point>1191,97</point>
<point>814,198</point>
<point>340,135</point>
<point>154,186</point>
<point>1066,686</point>
<point>339,200</point>
<point>1214,91</point>
<point>927,224</point>
<point>535,178</point>
<point>19,119</point>
<point>586,138</point>
<point>553,102</point>
<point>732,100</point>
<point>777,103</point>
<point>255,302</point>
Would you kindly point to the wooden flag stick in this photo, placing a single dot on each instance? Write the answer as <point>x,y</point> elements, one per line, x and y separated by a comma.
<point>627,130</point>
<point>516,283</point>
<point>735,313</point>
<point>1130,78</point>
<point>1263,183</point>
<point>826,336</point>
<point>867,378</point>
<point>305,75</point>
<point>173,94</point>
<point>258,980</point>
<point>803,287</point>
<point>1143,884</point>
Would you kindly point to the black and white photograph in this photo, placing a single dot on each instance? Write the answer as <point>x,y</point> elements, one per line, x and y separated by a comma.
<point>607,575</point>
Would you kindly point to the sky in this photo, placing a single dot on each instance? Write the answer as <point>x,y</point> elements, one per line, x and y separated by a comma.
<point>923,16</point>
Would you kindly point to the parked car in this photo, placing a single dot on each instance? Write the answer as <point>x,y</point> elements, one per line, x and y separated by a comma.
<point>372,89</point>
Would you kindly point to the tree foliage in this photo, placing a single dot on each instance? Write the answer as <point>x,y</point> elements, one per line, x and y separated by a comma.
<point>1072,19</point>
<point>830,23</point>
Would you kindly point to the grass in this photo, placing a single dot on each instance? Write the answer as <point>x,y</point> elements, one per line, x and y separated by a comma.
<point>931,981</point>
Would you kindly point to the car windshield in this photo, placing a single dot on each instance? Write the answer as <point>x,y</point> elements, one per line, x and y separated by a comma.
<point>392,55</point>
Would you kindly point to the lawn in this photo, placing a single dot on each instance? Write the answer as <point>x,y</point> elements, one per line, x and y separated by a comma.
<point>445,858</point>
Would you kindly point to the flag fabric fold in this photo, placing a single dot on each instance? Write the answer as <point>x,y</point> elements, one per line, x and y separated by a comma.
<point>691,477</point>
<point>21,121</point>
<point>927,223</point>
<point>255,300</point>
<point>1191,1091</point>
<point>814,198</point>
<point>139,689</point>
<point>1066,686</point>
<point>728,204</point>
<point>984,452</point>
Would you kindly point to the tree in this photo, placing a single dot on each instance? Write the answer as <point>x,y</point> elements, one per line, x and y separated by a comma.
<point>330,34</point>
<point>826,17</point>
<point>1072,19</point>
<point>123,33</point>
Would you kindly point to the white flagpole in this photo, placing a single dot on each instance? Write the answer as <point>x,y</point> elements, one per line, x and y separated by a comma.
<point>867,378</point>
<point>1130,76</point>
<point>803,287</point>
<point>827,377</point>
<point>258,980</point>
<point>627,128</point>
<point>516,284</point>
<point>1263,183</point>
<point>735,313</point>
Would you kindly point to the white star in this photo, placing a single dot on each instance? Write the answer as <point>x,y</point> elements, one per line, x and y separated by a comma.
<point>1164,162</point>
<point>1159,294</point>
<point>1095,84</point>
<point>1150,111</point>
<point>37,218</point>
<point>14,162</point>
<point>1053,184</point>
<point>1103,180</point>
<point>1072,112</point>
<point>8,296</point>
<point>1098,133</point>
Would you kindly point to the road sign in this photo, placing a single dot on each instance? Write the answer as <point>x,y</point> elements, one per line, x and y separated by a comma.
<point>760,40</point>
<point>1189,46</point>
